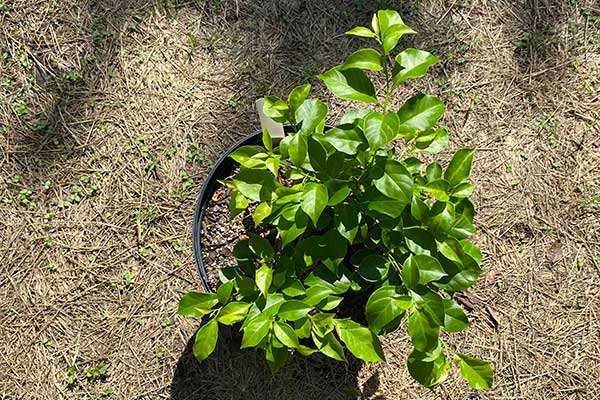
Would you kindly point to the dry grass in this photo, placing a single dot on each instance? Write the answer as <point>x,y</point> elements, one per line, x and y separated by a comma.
<point>120,92</point>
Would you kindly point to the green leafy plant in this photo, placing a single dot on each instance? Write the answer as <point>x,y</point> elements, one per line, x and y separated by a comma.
<point>367,235</point>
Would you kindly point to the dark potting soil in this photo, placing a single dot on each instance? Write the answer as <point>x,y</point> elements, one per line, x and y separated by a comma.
<point>220,233</point>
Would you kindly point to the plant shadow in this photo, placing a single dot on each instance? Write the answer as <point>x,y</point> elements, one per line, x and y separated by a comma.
<point>231,373</point>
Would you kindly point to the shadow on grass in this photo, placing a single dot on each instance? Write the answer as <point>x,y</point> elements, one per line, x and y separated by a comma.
<point>231,373</point>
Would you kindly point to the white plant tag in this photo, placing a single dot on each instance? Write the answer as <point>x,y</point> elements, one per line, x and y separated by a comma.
<point>275,129</point>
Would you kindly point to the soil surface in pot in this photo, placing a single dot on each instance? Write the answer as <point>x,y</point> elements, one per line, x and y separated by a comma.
<point>220,233</point>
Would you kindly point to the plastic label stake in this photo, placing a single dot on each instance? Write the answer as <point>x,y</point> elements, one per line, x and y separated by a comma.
<point>274,128</point>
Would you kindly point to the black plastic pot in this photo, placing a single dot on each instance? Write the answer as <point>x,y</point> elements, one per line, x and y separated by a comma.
<point>221,170</point>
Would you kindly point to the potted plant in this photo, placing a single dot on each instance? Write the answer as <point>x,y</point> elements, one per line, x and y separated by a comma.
<point>363,235</point>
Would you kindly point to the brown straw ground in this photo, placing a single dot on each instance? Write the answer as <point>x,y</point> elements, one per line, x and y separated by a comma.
<point>111,113</point>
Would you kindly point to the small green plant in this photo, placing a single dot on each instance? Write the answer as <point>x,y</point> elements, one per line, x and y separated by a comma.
<point>96,372</point>
<point>368,236</point>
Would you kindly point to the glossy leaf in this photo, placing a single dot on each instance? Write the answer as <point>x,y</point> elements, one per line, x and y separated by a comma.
<point>455,319</point>
<point>385,307</point>
<point>297,96</point>
<point>349,84</point>
<point>391,28</point>
<point>346,138</point>
<point>361,342</point>
<point>285,334</point>
<point>396,182</point>
<point>293,310</point>
<point>460,166</point>
<point>433,143</point>
<point>423,332</point>
<point>368,59</point>
<point>264,277</point>
<point>256,330</point>
<point>276,109</point>
<point>262,211</point>
<point>311,114</point>
<point>421,269</point>
<point>373,268</point>
<point>314,201</point>
<point>206,340</point>
<point>380,129</point>
<point>362,32</point>
<point>297,148</point>
<point>419,113</point>
<point>233,312</point>
<point>195,304</point>
<point>412,63</point>
<point>224,291</point>
<point>330,346</point>
<point>427,371</point>
<point>477,373</point>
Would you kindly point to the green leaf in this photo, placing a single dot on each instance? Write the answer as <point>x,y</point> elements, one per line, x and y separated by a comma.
<point>267,140</point>
<point>396,182</point>
<point>276,109</point>
<point>460,166</point>
<point>330,346</point>
<point>260,246</point>
<point>195,304</point>
<point>314,201</point>
<point>206,340</point>
<point>373,268</point>
<point>379,203</point>
<point>419,113</point>
<point>256,330</point>
<point>477,373</point>
<point>433,143</point>
<point>462,190</point>
<point>432,304</point>
<point>292,224</point>
<point>249,156</point>
<point>369,59</point>
<point>317,155</point>
<point>311,114</point>
<point>297,96</point>
<point>297,148</point>
<point>421,269</point>
<point>276,357</point>
<point>349,84</point>
<point>224,291</point>
<point>346,221</point>
<point>346,138</point>
<point>352,116</point>
<point>262,211</point>
<point>338,191</point>
<point>391,28</point>
<point>412,63</point>
<point>237,203</point>
<point>385,307</point>
<point>293,288</point>
<point>293,310</point>
<point>257,185</point>
<point>285,334</point>
<point>362,32</point>
<point>361,342</point>
<point>315,294</point>
<point>438,189</point>
<point>418,209</point>
<point>233,312</point>
<point>427,371</point>
<point>423,332</point>
<point>264,277</point>
<point>380,129</point>
<point>455,319</point>
<point>433,171</point>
